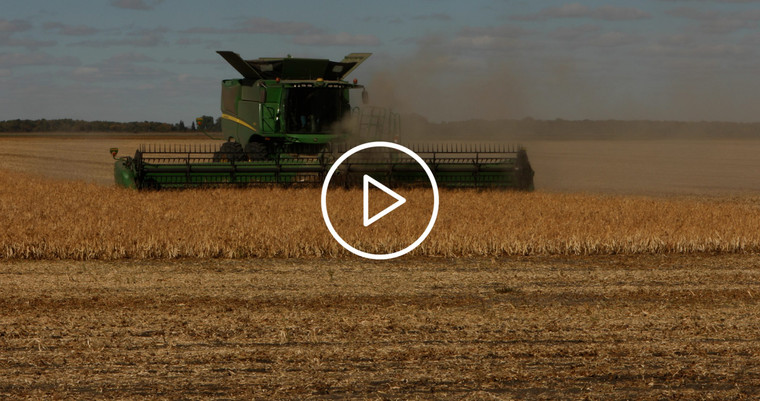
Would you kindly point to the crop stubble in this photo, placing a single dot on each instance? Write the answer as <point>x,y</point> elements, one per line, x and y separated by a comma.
<point>646,327</point>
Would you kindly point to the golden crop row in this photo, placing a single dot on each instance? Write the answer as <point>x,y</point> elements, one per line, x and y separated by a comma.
<point>48,219</point>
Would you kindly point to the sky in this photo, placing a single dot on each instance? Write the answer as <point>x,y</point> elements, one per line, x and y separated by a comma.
<point>155,60</point>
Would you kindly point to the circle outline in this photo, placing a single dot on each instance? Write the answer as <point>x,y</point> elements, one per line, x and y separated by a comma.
<point>351,152</point>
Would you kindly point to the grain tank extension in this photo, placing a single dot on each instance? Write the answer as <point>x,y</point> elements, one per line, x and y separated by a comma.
<point>288,119</point>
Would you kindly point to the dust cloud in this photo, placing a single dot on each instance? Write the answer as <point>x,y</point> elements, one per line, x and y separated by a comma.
<point>705,167</point>
<point>447,99</point>
<point>428,85</point>
<point>445,85</point>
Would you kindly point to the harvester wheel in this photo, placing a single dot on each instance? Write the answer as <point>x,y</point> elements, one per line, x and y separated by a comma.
<point>230,151</point>
<point>256,151</point>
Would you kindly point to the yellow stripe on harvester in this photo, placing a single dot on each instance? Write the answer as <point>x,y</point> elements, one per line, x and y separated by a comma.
<point>239,121</point>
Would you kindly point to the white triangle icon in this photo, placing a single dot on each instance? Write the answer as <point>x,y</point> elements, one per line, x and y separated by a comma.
<point>400,200</point>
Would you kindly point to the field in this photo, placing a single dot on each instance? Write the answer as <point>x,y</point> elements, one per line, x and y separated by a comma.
<point>648,327</point>
<point>603,287</point>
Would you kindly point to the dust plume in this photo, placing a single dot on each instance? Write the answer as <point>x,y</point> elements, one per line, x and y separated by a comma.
<point>443,89</point>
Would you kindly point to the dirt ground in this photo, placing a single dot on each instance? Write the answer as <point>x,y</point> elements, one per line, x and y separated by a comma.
<point>649,327</point>
<point>650,167</point>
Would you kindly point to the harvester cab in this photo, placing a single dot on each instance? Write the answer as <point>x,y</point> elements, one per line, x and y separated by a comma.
<point>288,119</point>
<point>286,105</point>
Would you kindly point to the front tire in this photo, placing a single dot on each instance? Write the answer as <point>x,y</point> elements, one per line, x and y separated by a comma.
<point>231,152</point>
<point>256,151</point>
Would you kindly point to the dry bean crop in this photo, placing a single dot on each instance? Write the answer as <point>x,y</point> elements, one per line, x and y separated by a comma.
<point>50,219</point>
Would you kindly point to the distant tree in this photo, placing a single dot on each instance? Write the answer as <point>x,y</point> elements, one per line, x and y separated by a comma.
<point>210,125</point>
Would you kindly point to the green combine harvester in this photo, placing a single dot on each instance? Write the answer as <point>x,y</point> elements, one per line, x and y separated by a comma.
<point>288,119</point>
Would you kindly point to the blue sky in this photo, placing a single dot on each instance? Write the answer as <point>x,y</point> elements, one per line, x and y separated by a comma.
<point>129,60</point>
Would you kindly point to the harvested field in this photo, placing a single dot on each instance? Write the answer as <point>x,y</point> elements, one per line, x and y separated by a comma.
<point>83,158</point>
<point>47,219</point>
<point>649,327</point>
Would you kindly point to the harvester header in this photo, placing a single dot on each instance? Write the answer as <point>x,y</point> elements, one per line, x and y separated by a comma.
<point>288,119</point>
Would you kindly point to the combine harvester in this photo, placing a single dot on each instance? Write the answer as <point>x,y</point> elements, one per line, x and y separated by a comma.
<point>288,119</point>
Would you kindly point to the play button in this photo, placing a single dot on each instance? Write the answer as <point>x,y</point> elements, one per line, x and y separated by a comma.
<point>400,200</point>
<point>368,182</point>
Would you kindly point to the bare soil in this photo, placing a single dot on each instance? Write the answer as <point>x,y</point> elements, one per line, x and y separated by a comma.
<point>645,327</point>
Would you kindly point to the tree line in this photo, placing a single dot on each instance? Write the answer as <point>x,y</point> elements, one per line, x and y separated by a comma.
<point>71,125</point>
